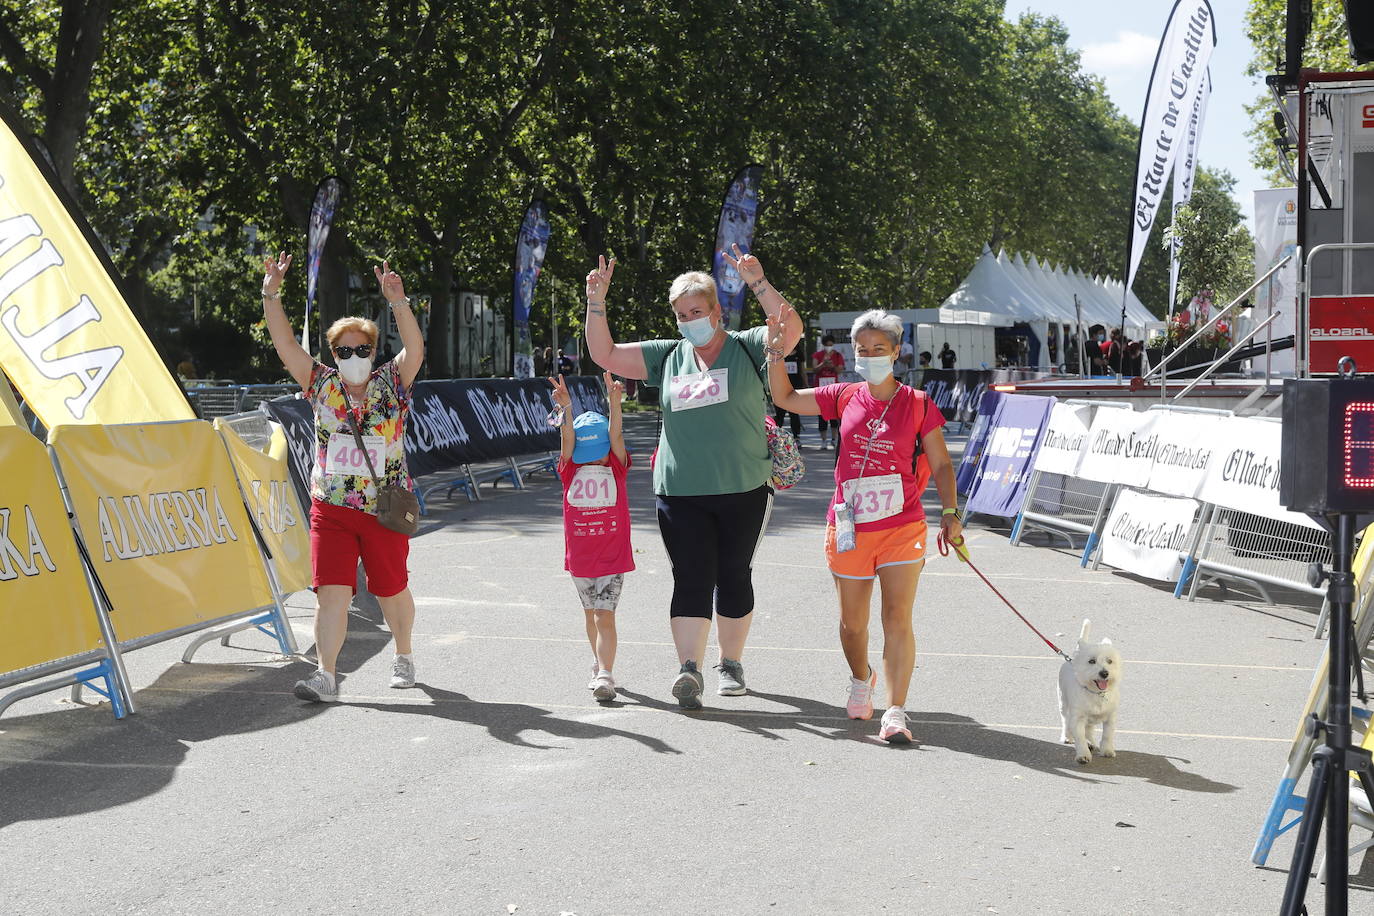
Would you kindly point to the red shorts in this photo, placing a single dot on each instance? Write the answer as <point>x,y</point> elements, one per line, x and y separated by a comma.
<point>873,550</point>
<point>339,536</point>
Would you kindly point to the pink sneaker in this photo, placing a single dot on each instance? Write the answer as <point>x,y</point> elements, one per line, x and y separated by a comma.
<point>860,705</point>
<point>894,730</point>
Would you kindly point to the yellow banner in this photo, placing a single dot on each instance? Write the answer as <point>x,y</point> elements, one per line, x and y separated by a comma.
<point>162,518</point>
<point>46,611</point>
<point>267,488</point>
<point>69,341</point>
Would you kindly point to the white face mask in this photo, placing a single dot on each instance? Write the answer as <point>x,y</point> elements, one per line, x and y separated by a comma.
<point>698,331</point>
<point>873,369</point>
<point>827,347</point>
<point>355,369</point>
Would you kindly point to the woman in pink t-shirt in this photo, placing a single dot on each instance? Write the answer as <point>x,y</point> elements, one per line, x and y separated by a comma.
<point>596,521</point>
<point>890,445</point>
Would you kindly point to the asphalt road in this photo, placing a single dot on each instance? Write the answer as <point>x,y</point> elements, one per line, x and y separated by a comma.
<point>498,786</point>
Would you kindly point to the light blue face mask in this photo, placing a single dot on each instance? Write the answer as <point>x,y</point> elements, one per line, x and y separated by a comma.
<point>873,369</point>
<point>698,331</point>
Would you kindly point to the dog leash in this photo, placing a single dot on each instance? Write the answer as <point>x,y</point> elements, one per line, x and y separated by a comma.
<point>962,553</point>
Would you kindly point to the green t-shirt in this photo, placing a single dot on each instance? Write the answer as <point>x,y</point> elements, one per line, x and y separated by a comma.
<point>714,441</point>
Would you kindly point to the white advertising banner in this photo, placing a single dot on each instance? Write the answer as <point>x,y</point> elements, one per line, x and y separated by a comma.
<point>1184,171</point>
<point>1121,447</point>
<point>1065,439</point>
<point>1179,73</point>
<point>1148,535</point>
<point>1186,444</point>
<point>1244,472</point>
<point>1276,235</point>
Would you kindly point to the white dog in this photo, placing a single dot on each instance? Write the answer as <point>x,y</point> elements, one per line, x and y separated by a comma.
<point>1089,695</point>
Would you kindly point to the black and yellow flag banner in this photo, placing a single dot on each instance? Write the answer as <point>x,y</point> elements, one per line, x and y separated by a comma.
<point>67,338</point>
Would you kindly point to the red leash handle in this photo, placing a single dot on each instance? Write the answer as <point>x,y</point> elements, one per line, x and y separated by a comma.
<point>962,553</point>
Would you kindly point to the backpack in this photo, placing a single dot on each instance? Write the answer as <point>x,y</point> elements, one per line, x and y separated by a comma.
<point>920,466</point>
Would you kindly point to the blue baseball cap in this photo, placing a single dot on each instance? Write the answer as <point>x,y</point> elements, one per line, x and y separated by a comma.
<point>593,435</point>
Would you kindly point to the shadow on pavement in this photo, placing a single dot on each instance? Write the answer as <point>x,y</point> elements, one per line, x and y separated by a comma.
<point>767,723</point>
<point>89,761</point>
<point>968,736</point>
<point>509,721</point>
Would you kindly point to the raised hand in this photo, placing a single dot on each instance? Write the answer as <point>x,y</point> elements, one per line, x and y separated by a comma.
<point>599,281</point>
<point>273,271</point>
<point>747,266</point>
<point>777,324</point>
<point>561,396</point>
<point>614,390</point>
<point>390,282</point>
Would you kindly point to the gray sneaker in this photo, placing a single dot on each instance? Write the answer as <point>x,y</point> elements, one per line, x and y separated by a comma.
<point>731,678</point>
<point>604,691</point>
<point>402,672</point>
<point>318,688</point>
<point>687,687</point>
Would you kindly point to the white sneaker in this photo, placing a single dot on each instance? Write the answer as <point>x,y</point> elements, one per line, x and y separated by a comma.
<point>596,669</point>
<point>860,702</point>
<point>894,728</point>
<point>604,690</point>
<point>320,687</point>
<point>402,671</point>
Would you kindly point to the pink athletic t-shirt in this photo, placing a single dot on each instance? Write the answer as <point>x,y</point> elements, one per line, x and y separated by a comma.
<point>596,518</point>
<point>887,495</point>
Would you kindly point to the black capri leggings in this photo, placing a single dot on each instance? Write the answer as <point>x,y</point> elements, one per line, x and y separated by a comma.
<point>711,542</point>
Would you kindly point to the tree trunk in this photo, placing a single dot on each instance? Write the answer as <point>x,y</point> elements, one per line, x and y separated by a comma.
<point>441,330</point>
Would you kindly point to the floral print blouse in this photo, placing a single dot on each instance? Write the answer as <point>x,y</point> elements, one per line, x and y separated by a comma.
<point>383,414</point>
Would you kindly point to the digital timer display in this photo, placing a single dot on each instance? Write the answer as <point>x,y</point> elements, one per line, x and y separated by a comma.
<point>1328,445</point>
<point>1357,445</point>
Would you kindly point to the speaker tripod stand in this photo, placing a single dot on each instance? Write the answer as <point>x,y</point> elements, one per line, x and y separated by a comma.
<point>1329,791</point>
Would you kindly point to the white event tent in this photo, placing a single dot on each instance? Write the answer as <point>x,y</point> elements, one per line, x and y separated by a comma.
<point>1048,302</point>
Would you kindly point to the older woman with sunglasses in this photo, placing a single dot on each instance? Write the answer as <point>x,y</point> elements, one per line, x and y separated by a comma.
<point>353,394</point>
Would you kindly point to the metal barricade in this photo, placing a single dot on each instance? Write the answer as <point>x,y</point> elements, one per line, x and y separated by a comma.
<point>254,428</point>
<point>1066,506</point>
<point>1236,545</point>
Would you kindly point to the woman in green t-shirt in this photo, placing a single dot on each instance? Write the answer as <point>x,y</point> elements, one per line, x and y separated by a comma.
<point>712,467</point>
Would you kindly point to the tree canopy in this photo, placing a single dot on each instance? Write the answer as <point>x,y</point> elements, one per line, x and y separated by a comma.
<point>898,137</point>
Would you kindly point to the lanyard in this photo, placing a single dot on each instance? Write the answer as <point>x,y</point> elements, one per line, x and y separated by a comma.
<point>872,432</point>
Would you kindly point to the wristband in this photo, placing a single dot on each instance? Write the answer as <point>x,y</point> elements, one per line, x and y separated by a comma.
<point>953,512</point>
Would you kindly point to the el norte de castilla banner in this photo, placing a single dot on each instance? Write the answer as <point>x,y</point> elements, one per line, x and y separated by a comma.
<point>67,338</point>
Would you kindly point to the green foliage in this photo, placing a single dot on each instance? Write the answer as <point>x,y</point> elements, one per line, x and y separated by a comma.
<point>1216,251</point>
<point>898,137</point>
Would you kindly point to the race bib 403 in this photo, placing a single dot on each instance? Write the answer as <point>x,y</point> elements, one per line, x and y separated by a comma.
<point>345,458</point>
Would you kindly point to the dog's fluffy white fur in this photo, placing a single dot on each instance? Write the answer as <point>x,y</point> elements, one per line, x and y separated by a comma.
<point>1089,695</point>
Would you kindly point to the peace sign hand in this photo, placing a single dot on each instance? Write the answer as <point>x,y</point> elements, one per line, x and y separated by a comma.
<point>273,271</point>
<point>599,281</point>
<point>614,390</point>
<point>746,265</point>
<point>777,324</point>
<point>390,282</point>
<point>561,396</point>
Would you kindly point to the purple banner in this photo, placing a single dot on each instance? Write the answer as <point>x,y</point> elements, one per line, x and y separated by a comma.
<point>1004,469</point>
<point>977,441</point>
<point>530,246</point>
<point>327,196</point>
<point>738,218</point>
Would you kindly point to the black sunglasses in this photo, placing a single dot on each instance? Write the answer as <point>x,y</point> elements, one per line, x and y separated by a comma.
<point>363,350</point>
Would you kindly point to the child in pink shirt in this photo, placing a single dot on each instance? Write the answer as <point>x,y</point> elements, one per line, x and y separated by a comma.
<point>596,521</point>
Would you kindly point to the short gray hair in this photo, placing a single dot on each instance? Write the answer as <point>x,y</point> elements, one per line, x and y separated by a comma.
<point>878,320</point>
<point>692,283</point>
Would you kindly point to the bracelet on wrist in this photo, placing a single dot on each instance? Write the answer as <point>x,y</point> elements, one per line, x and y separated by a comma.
<point>403,299</point>
<point>953,512</point>
<point>272,295</point>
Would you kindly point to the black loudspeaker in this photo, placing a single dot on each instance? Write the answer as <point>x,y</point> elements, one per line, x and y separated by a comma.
<point>1359,20</point>
<point>1327,462</point>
